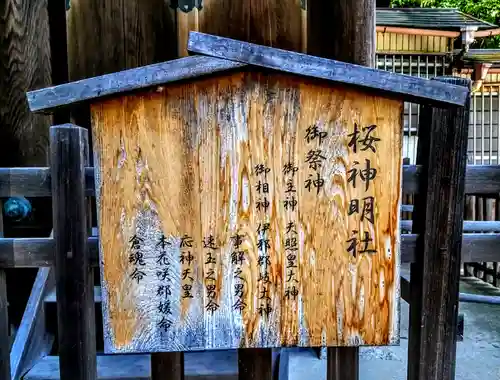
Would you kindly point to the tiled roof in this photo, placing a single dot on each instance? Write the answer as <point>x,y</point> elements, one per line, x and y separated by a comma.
<point>429,18</point>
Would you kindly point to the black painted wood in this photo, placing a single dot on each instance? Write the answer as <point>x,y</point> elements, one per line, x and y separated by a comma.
<point>75,301</point>
<point>167,365</point>
<point>35,182</point>
<point>50,98</point>
<point>255,364</point>
<point>407,87</point>
<point>340,362</point>
<point>438,218</point>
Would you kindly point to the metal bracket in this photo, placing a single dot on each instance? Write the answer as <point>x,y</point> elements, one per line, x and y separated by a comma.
<point>186,6</point>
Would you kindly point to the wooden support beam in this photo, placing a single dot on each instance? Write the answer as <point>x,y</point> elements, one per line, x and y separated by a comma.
<point>4,318</point>
<point>167,366</point>
<point>32,341</point>
<point>351,39</point>
<point>39,252</point>
<point>4,329</point>
<point>75,293</point>
<point>59,50</point>
<point>438,218</point>
<point>255,364</point>
<point>35,182</point>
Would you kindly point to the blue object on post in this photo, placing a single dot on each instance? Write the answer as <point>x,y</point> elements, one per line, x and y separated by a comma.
<point>17,208</point>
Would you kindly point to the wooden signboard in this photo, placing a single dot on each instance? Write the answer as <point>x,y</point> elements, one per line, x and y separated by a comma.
<point>253,204</point>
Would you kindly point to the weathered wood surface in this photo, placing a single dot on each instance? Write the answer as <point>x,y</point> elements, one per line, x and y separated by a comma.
<point>350,39</point>
<point>75,306</point>
<point>4,320</point>
<point>182,162</point>
<point>274,23</point>
<point>255,364</point>
<point>167,365</point>
<point>438,217</point>
<point>106,36</point>
<point>25,65</point>
<point>410,88</point>
<point>32,341</point>
<point>35,182</point>
<point>50,98</point>
<point>59,51</point>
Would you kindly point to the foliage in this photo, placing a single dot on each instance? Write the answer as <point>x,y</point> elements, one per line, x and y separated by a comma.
<point>487,10</point>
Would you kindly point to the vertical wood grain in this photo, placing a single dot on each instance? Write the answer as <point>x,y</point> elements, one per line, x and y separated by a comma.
<point>254,364</point>
<point>59,51</point>
<point>106,36</point>
<point>438,220</point>
<point>273,23</point>
<point>25,65</point>
<point>167,366</point>
<point>74,286</point>
<point>182,161</point>
<point>352,38</point>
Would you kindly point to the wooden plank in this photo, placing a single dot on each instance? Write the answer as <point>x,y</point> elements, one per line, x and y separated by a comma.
<point>59,50</point>
<point>341,363</point>
<point>255,364</point>
<point>4,329</point>
<point>203,187</point>
<point>468,226</point>
<point>409,88</point>
<point>35,182</point>
<point>51,297</point>
<point>32,342</point>
<point>167,365</point>
<point>208,365</point>
<point>130,34</point>
<point>39,252</point>
<point>357,30</point>
<point>435,275</point>
<point>48,99</point>
<point>75,304</point>
<point>4,319</point>
<point>25,65</point>
<point>352,39</point>
<point>274,23</point>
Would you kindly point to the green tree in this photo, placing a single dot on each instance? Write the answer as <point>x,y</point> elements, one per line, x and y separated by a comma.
<point>487,10</point>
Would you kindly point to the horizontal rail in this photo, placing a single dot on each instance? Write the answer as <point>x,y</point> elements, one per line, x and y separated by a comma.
<point>35,182</point>
<point>39,252</point>
<point>469,226</point>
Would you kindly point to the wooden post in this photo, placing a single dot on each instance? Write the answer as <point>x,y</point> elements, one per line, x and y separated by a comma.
<point>167,366</point>
<point>4,319</point>
<point>351,38</point>
<point>106,36</point>
<point>255,364</point>
<point>132,34</point>
<point>59,50</point>
<point>438,219</point>
<point>75,295</point>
